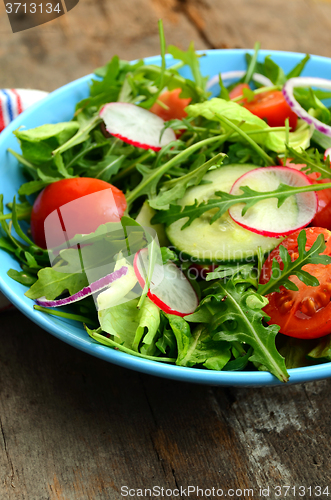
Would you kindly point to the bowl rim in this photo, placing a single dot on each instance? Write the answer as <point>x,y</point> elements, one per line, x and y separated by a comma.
<point>65,330</point>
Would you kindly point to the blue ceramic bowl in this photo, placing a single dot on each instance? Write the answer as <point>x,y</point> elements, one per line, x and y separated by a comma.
<point>59,106</point>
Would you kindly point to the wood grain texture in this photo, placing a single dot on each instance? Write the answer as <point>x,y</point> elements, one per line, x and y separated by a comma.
<point>77,428</point>
<point>62,50</point>
<point>74,427</point>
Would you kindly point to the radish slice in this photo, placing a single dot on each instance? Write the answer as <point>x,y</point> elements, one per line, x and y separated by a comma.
<point>265,217</point>
<point>96,286</point>
<point>135,125</point>
<point>170,290</point>
<point>327,153</point>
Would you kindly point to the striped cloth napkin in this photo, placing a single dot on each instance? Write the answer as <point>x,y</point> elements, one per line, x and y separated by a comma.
<point>12,103</point>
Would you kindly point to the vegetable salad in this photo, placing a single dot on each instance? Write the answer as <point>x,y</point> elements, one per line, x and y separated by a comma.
<point>245,259</point>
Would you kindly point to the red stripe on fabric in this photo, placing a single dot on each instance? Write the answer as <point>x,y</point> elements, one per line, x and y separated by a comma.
<point>2,121</point>
<point>18,101</point>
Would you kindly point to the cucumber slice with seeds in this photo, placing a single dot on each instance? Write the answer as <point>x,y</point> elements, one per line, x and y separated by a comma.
<point>224,240</point>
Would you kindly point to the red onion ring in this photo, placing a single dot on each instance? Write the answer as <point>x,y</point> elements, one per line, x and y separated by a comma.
<point>308,81</point>
<point>96,286</point>
<point>229,75</point>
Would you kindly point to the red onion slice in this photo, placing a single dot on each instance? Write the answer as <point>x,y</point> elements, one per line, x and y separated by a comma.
<point>96,286</point>
<point>308,81</point>
<point>231,75</point>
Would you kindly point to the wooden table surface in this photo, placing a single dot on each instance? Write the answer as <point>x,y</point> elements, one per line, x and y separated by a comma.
<point>74,427</point>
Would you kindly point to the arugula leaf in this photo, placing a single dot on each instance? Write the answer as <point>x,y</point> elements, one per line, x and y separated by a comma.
<point>168,254</point>
<point>298,68</point>
<point>22,277</point>
<point>52,283</point>
<point>225,200</point>
<point>252,64</point>
<point>23,210</point>
<point>85,125</point>
<point>101,339</point>
<point>28,166</point>
<point>33,187</point>
<point>175,189</point>
<point>105,90</point>
<point>239,363</point>
<point>151,177</point>
<point>224,93</point>
<point>280,277</point>
<point>5,244</point>
<point>167,343</point>
<point>198,347</point>
<point>232,270</point>
<point>310,161</point>
<point>106,168</point>
<point>240,153</point>
<point>191,59</point>
<point>274,72</point>
<point>59,164</point>
<point>239,318</point>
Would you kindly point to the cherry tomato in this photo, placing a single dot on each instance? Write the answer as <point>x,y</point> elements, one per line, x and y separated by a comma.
<point>270,106</point>
<point>237,91</point>
<point>306,313</point>
<point>176,105</point>
<point>323,214</point>
<point>93,211</point>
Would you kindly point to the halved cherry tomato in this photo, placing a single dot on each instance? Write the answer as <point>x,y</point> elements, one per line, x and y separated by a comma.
<point>323,214</point>
<point>306,313</point>
<point>108,206</point>
<point>237,91</point>
<point>270,106</point>
<point>176,105</point>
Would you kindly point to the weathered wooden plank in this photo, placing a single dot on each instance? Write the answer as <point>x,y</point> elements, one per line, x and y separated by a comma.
<point>294,25</point>
<point>244,439</point>
<point>72,46</point>
<point>73,427</point>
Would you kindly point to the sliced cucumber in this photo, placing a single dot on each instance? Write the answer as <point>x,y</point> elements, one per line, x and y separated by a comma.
<point>144,219</point>
<point>224,240</point>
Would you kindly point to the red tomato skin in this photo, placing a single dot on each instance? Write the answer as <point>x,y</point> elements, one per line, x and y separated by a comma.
<point>272,107</point>
<point>323,214</point>
<point>88,219</point>
<point>306,313</point>
<point>175,104</point>
<point>237,91</point>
